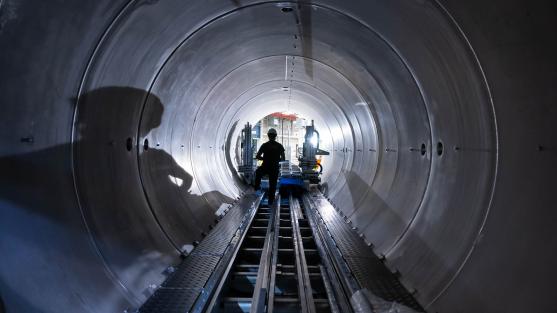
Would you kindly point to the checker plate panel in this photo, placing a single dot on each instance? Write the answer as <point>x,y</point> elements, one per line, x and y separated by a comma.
<point>179,292</point>
<point>367,268</point>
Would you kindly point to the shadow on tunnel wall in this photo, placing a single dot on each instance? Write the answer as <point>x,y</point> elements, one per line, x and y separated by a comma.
<point>182,215</point>
<point>122,241</point>
<point>41,227</point>
<point>385,218</point>
<point>230,145</point>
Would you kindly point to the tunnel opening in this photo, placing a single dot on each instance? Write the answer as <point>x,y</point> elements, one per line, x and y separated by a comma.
<point>290,127</point>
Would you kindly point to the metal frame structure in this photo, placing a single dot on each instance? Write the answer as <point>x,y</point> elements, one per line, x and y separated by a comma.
<point>310,150</point>
<point>293,255</point>
<point>246,168</point>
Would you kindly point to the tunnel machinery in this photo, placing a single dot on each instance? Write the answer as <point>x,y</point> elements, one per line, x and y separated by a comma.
<point>307,159</point>
<point>297,254</point>
<point>246,167</point>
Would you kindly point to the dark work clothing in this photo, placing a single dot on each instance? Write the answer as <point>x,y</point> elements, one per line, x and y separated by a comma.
<point>271,153</point>
<point>273,177</point>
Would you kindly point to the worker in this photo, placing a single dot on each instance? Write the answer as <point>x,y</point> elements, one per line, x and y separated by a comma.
<point>271,153</point>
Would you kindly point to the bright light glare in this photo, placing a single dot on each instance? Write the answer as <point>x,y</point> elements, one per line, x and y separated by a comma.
<point>313,140</point>
<point>327,212</point>
<point>177,181</point>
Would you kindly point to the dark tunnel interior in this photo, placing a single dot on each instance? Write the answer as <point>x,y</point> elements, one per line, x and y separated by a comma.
<point>120,121</point>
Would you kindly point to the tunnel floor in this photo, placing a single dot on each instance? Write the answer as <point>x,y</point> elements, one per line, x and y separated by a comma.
<point>300,247</point>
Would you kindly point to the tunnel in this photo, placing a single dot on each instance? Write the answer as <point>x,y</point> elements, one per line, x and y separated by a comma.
<point>120,122</point>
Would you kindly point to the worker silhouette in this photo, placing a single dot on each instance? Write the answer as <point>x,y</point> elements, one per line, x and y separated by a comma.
<point>271,153</point>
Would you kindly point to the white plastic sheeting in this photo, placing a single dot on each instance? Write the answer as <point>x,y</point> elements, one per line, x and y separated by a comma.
<point>364,301</point>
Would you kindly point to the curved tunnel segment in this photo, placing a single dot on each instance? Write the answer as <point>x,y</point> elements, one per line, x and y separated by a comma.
<point>120,122</point>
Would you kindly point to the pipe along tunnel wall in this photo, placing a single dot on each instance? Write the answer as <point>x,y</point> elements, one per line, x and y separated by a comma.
<point>119,122</point>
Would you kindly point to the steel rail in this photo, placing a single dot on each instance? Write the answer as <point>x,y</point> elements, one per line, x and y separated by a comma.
<point>305,291</point>
<point>261,289</point>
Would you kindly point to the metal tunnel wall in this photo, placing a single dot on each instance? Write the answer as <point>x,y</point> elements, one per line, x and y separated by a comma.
<point>120,119</point>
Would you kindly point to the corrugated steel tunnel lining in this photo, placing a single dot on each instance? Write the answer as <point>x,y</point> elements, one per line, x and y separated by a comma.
<point>90,224</point>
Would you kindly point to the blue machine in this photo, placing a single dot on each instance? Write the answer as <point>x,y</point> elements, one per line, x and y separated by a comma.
<point>290,179</point>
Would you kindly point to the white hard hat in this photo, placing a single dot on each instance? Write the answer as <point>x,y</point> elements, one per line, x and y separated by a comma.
<point>272,131</point>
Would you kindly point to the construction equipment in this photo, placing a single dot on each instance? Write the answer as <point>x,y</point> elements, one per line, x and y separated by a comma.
<point>307,158</point>
<point>247,167</point>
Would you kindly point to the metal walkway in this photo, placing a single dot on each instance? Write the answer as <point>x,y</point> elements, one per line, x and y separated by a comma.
<point>296,256</point>
<point>362,267</point>
<point>185,290</point>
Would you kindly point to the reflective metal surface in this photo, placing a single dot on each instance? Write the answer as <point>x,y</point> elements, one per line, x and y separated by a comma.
<point>120,122</point>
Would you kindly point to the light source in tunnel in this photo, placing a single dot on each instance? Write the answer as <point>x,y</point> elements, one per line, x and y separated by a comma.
<point>314,140</point>
<point>290,129</point>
